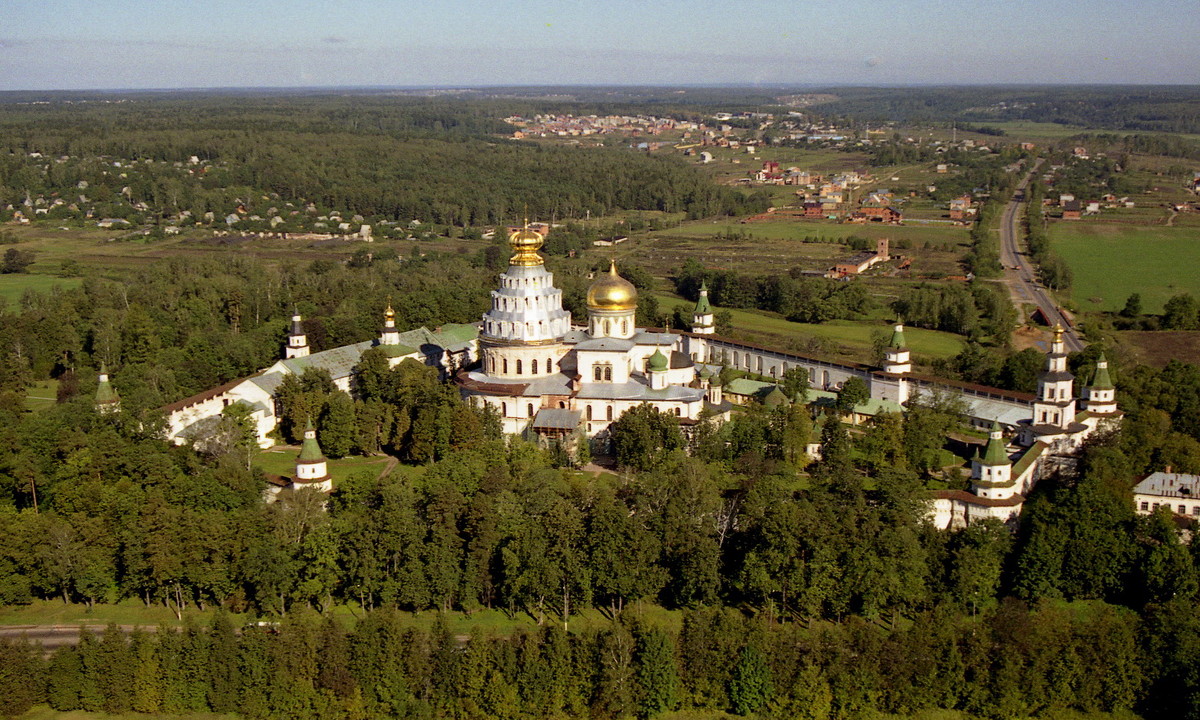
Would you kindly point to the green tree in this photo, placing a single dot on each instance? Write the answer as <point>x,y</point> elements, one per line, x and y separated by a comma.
<point>657,673</point>
<point>750,687</point>
<point>336,425</point>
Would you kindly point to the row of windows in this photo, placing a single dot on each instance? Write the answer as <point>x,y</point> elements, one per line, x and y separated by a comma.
<point>507,328</point>
<point>1052,418</point>
<point>608,327</point>
<point>602,372</point>
<point>1057,394</point>
<point>502,366</point>
<point>1181,509</point>
<point>506,303</point>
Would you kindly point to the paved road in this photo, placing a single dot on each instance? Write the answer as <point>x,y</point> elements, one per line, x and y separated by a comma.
<point>1020,274</point>
<point>52,637</point>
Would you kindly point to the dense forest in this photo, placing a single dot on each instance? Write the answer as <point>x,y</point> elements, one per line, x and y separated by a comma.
<point>440,162</point>
<point>1170,109</point>
<point>802,591</point>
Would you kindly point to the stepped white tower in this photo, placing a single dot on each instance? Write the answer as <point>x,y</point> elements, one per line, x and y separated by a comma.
<point>523,331</point>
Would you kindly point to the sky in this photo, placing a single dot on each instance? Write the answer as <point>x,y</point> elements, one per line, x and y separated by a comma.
<point>128,44</point>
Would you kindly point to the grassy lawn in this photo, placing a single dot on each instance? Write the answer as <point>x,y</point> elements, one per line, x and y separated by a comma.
<point>126,612</point>
<point>134,613</point>
<point>855,335</point>
<point>1112,261</point>
<point>282,461</point>
<point>13,286</point>
<point>41,395</point>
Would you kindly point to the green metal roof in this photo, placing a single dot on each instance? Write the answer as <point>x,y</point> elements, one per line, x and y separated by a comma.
<point>310,451</point>
<point>658,361</point>
<point>995,454</point>
<point>1102,381</point>
<point>775,397</point>
<point>897,342</point>
<point>702,306</point>
<point>105,395</point>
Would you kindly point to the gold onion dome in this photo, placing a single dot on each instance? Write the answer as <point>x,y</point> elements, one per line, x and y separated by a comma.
<point>525,244</point>
<point>610,291</point>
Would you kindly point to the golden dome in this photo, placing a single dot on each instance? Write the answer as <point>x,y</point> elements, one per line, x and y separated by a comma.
<point>610,291</point>
<point>525,244</point>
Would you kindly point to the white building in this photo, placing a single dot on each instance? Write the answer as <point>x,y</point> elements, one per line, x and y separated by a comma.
<point>545,376</point>
<point>1177,492</point>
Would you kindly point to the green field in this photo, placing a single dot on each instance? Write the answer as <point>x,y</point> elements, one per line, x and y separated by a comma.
<point>1112,261</point>
<point>41,395</point>
<point>776,246</point>
<point>853,335</point>
<point>282,461</point>
<point>13,286</point>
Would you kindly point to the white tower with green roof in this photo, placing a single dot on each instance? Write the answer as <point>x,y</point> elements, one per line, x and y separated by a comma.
<point>896,359</point>
<point>1101,394</point>
<point>312,469</point>
<point>656,368</point>
<point>107,399</point>
<point>702,317</point>
<point>991,474</point>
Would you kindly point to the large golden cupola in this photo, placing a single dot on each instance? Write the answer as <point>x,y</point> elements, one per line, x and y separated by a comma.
<point>525,244</point>
<point>612,292</point>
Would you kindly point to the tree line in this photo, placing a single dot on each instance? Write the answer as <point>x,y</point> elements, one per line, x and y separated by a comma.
<point>1010,661</point>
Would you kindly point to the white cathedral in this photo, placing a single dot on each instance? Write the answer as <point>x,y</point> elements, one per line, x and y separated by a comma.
<point>543,375</point>
<point>548,378</point>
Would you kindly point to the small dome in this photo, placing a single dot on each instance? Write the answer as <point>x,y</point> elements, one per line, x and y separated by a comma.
<point>658,361</point>
<point>610,291</point>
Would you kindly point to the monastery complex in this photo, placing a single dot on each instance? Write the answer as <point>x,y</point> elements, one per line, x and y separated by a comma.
<point>551,378</point>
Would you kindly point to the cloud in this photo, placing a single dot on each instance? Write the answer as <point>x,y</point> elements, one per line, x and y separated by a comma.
<point>335,40</point>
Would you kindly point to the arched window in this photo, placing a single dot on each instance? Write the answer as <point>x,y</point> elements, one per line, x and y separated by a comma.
<point>609,413</point>
<point>505,366</point>
<point>677,412</point>
<point>624,327</point>
<point>608,376</point>
<point>608,327</point>
<point>518,366</point>
<point>549,364</point>
<point>504,409</point>
<point>533,366</point>
<point>588,410</point>
<point>530,408</point>
<point>597,372</point>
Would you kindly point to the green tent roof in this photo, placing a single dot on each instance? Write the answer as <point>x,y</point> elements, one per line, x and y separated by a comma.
<point>995,454</point>
<point>775,397</point>
<point>105,395</point>
<point>897,342</point>
<point>1102,381</point>
<point>702,306</point>
<point>310,451</point>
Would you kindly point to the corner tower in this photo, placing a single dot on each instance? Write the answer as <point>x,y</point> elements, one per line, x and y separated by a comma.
<point>702,317</point>
<point>312,469</point>
<point>523,331</point>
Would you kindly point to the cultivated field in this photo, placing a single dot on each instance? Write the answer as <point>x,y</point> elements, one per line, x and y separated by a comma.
<point>849,338</point>
<point>1111,261</point>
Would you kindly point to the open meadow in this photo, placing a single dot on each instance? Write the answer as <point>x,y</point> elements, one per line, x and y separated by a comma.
<point>778,246</point>
<point>1112,261</point>
<point>851,339</point>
